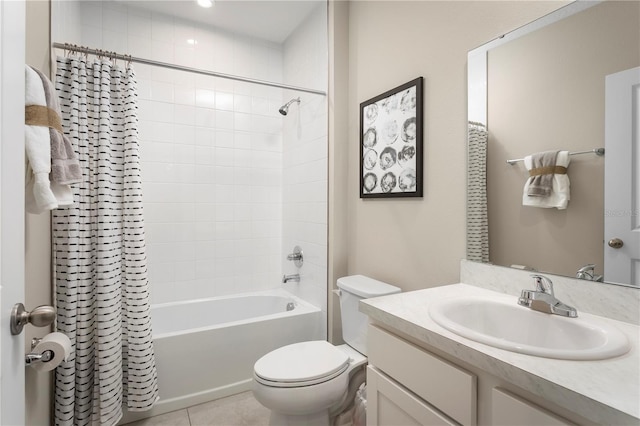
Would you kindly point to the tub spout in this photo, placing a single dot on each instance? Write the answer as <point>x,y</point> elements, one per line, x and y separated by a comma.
<point>293,277</point>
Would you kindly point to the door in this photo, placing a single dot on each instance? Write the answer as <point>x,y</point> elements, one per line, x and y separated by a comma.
<point>622,178</point>
<point>12,39</point>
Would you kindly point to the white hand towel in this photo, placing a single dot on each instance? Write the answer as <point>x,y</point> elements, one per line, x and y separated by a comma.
<point>39,196</point>
<point>560,193</point>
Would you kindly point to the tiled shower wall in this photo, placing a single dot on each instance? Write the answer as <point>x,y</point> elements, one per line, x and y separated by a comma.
<point>305,157</point>
<point>212,152</point>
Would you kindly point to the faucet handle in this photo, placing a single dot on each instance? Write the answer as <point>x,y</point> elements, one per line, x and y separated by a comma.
<point>543,284</point>
<point>588,267</point>
<point>297,256</point>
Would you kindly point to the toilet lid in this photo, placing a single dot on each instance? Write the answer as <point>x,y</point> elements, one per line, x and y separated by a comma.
<point>302,362</point>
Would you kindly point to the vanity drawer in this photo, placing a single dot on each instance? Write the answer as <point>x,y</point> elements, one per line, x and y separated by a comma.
<point>441,384</point>
<point>510,410</point>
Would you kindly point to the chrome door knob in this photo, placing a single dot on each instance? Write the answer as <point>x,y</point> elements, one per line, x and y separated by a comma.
<point>616,243</point>
<point>39,317</point>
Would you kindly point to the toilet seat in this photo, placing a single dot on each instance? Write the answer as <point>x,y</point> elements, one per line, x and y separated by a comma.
<point>301,364</point>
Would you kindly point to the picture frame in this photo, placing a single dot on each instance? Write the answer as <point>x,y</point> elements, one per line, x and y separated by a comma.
<point>391,139</point>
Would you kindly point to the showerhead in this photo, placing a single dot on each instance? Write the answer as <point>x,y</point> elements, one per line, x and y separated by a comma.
<point>285,108</point>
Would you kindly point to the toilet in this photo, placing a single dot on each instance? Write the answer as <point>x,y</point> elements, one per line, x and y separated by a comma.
<point>309,383</point>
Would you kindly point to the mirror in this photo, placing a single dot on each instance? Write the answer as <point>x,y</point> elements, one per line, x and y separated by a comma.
<point>540,88</point>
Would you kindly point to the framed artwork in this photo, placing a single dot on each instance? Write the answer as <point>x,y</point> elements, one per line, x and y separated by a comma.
<point>391,143</point>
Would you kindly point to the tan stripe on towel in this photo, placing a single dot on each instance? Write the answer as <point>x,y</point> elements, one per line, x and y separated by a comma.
<point>38,115</point>
<point>548,170</point>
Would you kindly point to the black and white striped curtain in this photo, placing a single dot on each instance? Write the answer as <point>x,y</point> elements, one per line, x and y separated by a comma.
<point>102,289</point>
<point>477,219</point>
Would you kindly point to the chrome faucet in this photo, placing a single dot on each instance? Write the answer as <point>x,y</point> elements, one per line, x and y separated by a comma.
<point>293,277</point>
<point>542,299</point>
<point>587,272</point>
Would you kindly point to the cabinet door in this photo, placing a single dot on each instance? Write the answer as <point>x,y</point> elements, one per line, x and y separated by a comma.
<point>510,410</point>
<point>442,384</point>
<point>388,403</point>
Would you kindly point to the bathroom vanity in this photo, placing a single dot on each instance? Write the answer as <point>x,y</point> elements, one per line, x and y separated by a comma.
<point>422,373</point>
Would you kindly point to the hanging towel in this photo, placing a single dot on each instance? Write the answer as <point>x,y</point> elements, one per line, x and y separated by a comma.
<point>65,167</point>
<point>541,173</point>
<point>559,194</point>
<point>39,196</point>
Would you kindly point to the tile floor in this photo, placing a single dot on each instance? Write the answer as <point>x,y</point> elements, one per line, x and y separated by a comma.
<point>236,410</point>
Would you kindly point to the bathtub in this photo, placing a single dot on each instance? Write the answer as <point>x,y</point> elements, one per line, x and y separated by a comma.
<point>205,349</point>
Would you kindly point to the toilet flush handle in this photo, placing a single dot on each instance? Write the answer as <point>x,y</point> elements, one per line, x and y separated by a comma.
<point>337,292</point>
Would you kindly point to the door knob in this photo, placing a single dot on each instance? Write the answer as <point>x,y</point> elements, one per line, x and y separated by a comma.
<point>39,317</point>
<point>616,243</point>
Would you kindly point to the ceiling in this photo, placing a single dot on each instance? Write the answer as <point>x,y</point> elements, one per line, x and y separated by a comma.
<point>264,19</point>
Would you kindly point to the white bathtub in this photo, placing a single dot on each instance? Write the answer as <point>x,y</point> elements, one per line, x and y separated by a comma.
<point>205,349</point>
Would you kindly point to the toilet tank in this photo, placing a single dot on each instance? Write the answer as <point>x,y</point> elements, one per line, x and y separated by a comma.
<point>354,323</point>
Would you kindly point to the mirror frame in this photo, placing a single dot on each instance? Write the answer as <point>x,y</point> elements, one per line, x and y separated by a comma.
<point>477,75</point>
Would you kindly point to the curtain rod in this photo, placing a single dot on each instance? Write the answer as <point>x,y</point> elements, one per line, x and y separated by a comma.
<point>597,151</point>
<point>114,55</point>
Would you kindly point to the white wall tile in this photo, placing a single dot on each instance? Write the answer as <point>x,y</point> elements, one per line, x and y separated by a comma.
<point>205,117</point>
<point>205,98</point>
<point>224,120</point>
<point>184,134</point>
<point>162,28</point>
<point>242,140</point>
<point>162,51</point>
<point>91,14</point>
<point>183,173</point>
<point>139,23</point>
<point>183,31</point>
<point>185,154</point>
<point>224,101</point>
<point>212,153</point>
<point>185,114</point>
<point>184,95</point>
<point>160,91</point>
<point>203,155</point>
<point>90,37</point>
<point>114,20</point>
<point>304,171</point>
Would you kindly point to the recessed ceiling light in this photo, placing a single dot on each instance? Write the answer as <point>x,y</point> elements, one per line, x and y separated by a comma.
<point>192,41</point>
<point>205,3</point>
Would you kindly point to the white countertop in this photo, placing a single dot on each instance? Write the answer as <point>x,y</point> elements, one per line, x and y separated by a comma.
<point>604,391</point>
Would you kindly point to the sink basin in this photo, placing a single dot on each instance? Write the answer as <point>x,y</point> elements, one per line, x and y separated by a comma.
<point>506,325</point>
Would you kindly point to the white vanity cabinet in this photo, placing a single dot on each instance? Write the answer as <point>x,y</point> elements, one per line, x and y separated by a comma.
<point>409,385</point>
<point>420,373</point>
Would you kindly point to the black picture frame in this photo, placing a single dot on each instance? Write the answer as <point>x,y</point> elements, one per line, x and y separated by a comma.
<point>391,139</point>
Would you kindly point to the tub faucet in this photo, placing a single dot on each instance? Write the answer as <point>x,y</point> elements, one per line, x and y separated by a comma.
<point>293,277</point>
<point>542,299</point>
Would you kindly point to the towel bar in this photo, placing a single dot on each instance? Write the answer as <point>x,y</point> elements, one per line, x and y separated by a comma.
<point>597,151</point>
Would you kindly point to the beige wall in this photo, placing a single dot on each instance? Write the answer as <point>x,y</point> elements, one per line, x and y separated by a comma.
<point>551,98</point>
<point>418,243</point>
<point>37,235</point>
<point>338,102</point>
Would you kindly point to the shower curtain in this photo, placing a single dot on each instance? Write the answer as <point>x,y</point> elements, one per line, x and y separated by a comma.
<point>477,219</point>
<point>101,283</point>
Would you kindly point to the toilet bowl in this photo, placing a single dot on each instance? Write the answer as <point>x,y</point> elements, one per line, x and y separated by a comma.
<point>309,382</point>
<point>302,382</point>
